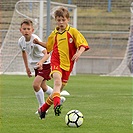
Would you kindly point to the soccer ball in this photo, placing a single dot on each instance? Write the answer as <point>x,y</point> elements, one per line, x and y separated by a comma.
<point>74,118</point>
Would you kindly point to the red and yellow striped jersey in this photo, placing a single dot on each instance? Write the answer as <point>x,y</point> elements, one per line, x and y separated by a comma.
<point>64,45</point>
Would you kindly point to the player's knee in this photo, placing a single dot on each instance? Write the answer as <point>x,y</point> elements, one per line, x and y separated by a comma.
<point>36,86</point>
<point>58,83</point>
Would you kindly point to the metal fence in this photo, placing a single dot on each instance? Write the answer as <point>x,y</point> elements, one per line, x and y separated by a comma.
<point>107,50</point>
<point>103,43</point>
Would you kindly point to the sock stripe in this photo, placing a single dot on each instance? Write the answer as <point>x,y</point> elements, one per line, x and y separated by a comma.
<point>49,101</point>
<point>56,99</point>
<point>56,95</point>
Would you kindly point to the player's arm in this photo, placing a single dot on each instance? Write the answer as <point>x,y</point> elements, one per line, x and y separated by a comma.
<point>81,44</point>
<point>43,44</point>
<point>24,55</point>
<point>45,58</point>
<point>78,53</point>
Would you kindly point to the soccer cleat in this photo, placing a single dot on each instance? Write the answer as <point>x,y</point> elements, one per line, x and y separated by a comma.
<point>57,110</point>
<point>38,113</point>
<point>41,114</point>
<point>62,100</point>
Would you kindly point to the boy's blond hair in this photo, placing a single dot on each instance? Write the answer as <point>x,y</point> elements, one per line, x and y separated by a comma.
<point>27,21</point>
<point>62,12</point>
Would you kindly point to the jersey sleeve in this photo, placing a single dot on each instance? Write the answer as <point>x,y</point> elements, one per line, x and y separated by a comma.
<point>80,40</point>
<point>50,42</point>
<point>22,44</point>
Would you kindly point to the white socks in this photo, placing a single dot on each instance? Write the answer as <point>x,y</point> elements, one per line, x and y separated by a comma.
<point>49,90</point>
<point>40,97</point>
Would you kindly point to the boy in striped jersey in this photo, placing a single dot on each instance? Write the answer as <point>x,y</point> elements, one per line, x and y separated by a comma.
<point>66,44</point>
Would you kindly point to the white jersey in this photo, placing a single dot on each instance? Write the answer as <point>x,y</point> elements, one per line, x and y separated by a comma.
<point>34,51</point>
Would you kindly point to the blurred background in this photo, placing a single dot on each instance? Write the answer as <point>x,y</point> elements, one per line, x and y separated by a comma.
<point>104,23</point>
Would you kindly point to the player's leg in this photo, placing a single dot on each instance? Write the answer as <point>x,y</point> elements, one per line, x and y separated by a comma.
<point>49,101</point>
<point>63,81</point>
<point>45,107</point>
<point>60,80</point>
<point>46,75</point>
<point>53,98</point>
<point>38,90</point>
<point>47,89</point>
<point>57,88</point>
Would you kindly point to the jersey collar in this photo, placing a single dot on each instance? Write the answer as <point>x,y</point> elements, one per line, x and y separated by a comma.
<point>67,29</point>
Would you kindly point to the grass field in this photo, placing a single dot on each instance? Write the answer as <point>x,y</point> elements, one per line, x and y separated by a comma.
<point>106,103</point>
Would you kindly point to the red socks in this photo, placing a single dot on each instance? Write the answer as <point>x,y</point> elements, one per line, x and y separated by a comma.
<point>56,99</point>
<point>49,102</point>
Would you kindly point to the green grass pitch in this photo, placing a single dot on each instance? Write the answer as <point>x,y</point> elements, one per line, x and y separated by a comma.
<point>106,103</point>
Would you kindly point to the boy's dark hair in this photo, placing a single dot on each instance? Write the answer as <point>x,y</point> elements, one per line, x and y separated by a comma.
<point>27,21</point>
<point>61,12</point>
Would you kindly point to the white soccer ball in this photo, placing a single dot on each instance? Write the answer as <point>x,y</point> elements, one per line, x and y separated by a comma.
<point>74,118</point>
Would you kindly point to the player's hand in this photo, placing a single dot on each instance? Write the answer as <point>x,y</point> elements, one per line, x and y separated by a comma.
<point>39,65</point>
<point>36,41</point>
<point>28,72</point>
<point>76,56</point>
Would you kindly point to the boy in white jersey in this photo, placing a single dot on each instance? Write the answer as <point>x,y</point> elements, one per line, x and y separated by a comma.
<point>35,55</point>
